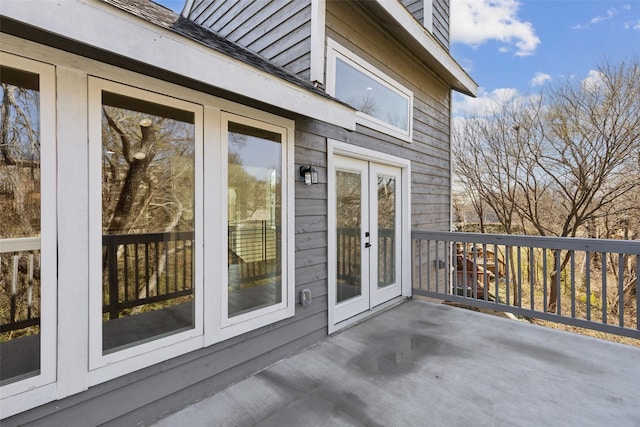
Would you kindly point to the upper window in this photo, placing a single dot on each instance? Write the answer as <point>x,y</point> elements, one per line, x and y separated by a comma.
<point>382,103</point>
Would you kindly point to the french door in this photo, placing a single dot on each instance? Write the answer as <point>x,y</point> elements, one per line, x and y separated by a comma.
<point>368,204</point>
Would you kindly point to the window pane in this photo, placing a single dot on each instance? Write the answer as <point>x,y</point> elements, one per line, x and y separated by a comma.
<point>147,220</point>
<point>349,214</point>
<point>20,230</point>
<point>371,97</point>
<point>386,230</point>
<point>254,219</point>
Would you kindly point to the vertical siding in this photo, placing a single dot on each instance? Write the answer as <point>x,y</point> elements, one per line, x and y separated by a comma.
<point>430,150</point>
<point>441,21</point>
<point>278,30</point>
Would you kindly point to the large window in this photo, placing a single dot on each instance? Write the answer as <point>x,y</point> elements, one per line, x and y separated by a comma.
<point>148,147</point>
<point>27,236</point>
<point>176,226</point>
<point>172,184</point>
<point>382,103</point>
<point>257,223</point>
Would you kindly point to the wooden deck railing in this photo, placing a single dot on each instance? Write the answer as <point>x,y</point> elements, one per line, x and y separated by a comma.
<point>19,283</point>
<point>589,283</point>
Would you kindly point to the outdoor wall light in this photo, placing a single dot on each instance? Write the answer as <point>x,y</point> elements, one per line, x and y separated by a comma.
<point>310,175</point>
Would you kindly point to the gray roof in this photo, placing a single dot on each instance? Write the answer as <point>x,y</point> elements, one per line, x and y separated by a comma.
<point>165,18</point>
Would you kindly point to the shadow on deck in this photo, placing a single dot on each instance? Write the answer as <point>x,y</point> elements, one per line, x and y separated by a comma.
<point>426,364</point>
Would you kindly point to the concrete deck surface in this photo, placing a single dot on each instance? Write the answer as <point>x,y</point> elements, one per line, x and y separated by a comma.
<point>426,364</point>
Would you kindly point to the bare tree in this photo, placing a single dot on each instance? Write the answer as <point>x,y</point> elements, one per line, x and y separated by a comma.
<point>560,160</point>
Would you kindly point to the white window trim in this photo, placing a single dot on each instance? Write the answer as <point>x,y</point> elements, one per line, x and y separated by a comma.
<point>229,327</point>
<point>71,111</point>
<point>427,15</point>
<point>334,51</point>
<point>29,392</point>
<point>318,29</point>
<point>141,355</point>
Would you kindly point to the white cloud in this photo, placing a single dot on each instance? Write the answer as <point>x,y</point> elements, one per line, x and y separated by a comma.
<point>593,81</point>
<point>485,103</point>
<point>610,14</point>
<point>474,22</point>
<point>599,18</point>
<point>539,79</point>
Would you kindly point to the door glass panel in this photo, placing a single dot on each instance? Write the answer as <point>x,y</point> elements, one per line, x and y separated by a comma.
<point>254,219</point>
<point>20,231</point>
<point>147,220</point>
<point>348,221</point>
<point>386,230</point>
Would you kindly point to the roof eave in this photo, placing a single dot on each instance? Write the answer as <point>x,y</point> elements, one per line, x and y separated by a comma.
<point>416,37</point>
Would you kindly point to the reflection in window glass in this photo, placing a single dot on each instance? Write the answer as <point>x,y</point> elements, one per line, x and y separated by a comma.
<point>349,228</point>
<point>254,219</point>
<point>370,96</point>
<point>147,220</point>
<point>386,230</point>
<point>20,231</point>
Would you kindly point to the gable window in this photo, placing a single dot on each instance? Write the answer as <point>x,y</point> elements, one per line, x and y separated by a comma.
<point>382,103</point>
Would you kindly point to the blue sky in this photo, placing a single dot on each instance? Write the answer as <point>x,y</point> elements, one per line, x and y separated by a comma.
<point>511,47</point>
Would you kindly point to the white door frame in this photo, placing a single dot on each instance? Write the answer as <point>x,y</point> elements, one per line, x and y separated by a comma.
<point>340,148</point>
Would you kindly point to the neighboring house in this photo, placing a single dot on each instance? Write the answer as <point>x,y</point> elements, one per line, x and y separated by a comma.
<point>216,190</point>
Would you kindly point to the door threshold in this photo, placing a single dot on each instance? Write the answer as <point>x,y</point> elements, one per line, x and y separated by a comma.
<point>339,327</point>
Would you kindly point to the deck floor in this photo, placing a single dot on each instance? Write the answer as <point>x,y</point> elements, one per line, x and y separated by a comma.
<point>426,364</point>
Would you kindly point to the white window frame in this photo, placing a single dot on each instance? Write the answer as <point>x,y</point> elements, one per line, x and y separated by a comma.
<point>23,394</point>
<point>334,51</point>
<point>73,118</point>
<point>105,366</point>
<point>225,326</point>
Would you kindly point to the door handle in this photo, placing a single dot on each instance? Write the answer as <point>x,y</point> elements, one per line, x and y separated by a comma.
<point>367,245</point>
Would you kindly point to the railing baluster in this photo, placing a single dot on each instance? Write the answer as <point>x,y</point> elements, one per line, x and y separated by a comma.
<point>30,287</point>
<point>544,280</point>
<point>475,271</point>
<point>603,266</point>
<point>621,290</point>
<point>557,256</point>
<point>429,264</point>
<point>573,284</point>
<point>496,277</point>
<point>125,255</point>
<point>420,261</point>
<point>507,272</point>
<point>587,255</point>
<point>485,273</point>
<point>14,287</point>
<point>532,277</point>
<point>637,292</point>
<point>519,286</point>
<point>436,262</point>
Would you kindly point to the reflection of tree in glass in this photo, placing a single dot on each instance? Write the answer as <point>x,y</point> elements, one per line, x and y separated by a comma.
<point>397,120</point>
<point>147,172</point>
<point>19,161</point>
<point>348,199</point>
<point>386,202</point>
<point>365,104</point>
